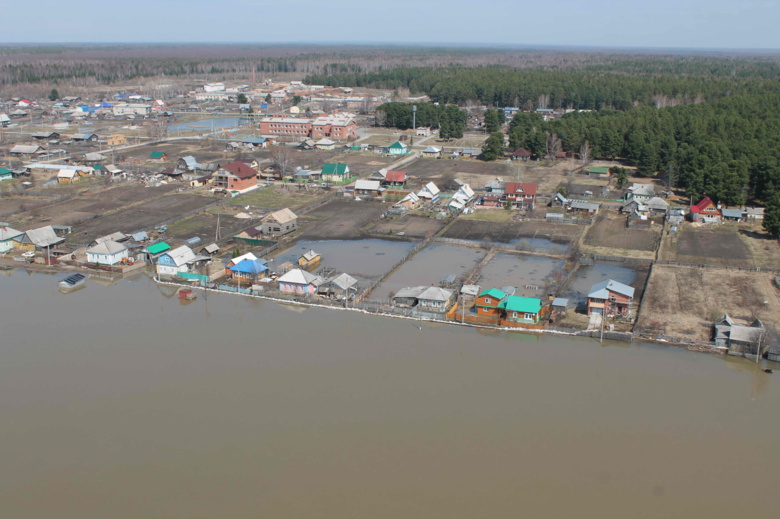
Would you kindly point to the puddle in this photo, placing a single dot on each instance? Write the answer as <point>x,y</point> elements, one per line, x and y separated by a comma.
<point>359,258</point>
<point>429,266</point>
<point>529,274</point>
<point>580,284</point>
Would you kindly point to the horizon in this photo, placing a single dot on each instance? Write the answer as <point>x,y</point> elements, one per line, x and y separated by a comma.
<point>701,25</point>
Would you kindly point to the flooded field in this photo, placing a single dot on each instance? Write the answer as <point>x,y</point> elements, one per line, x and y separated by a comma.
<point>586,276</point>
<point>542,245</point>
<point>359,258</point>
<point>204,125</point>
<point>429,266</point>
<point>118,402</point>
<point>521,271</point>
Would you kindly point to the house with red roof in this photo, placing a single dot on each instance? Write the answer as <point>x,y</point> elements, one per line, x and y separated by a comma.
<point>520,154</point>
<point>706,211</point>
<point>235,176</point>
<point>519,195</point>
<point>394,179</point>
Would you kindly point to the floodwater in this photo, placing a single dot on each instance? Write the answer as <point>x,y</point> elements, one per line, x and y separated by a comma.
<point>119,402</point>
<point>581,282</point>
<point>359,258</point>
<point>519,271</point>
<point>540,245</point>
<point>429,266</point>
<point>217,123</point>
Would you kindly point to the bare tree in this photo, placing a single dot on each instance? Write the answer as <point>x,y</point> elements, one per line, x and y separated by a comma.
<point>380,118</point>
<point>553,146</point>
<point>585,152</point>
<point>282,158</point>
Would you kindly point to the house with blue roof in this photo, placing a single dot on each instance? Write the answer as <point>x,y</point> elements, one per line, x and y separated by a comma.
<point>248,270</point>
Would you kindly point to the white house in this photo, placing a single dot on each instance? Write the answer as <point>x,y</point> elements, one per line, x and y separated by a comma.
<point>429,192</point>
<point>7,236</point>
<point>175,261</point>
<point>107,253</point>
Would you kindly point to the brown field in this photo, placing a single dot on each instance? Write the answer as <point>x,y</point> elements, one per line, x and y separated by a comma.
<point>468,229</point>
<point>339,219</point>
<point>676,306</point>
<point>204,226</point>
<point>739,245</point>
<point>15,203</point>
<point>412,226</point>
<point>442,171</point>
<point>609,236</point>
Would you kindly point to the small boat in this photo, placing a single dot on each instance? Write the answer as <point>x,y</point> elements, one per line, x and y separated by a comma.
<point>187,294</point>
<point>73,281</point>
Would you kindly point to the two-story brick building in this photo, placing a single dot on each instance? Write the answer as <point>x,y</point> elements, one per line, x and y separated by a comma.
<point>338,126</point>
<point>235,176</point>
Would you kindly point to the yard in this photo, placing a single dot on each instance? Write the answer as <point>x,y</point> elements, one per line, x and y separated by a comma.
<point>609,236</point>
<point>548,237</point>
<point>739,245</point>
<point>410,226</point>
<point>443,171</point>
<point>341,218</point>
<point>279,196</point>
<point>683,302</point>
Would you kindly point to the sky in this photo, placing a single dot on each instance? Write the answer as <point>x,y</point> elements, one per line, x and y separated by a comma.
<point>689,24</point>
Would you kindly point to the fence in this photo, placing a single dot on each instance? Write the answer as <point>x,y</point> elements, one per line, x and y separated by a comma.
<point>723,267</point>
<point>620,259</point>
<point>577,221</point>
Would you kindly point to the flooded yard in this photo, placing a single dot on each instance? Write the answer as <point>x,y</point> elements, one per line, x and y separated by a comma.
<point>429,266</point>
<point>359,258</point>
<point>521,271</point>
<point>579,285</point>
<point>542,245</point>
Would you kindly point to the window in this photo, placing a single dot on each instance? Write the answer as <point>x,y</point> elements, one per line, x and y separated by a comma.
<point>530,316</point>
<point>487,300</point>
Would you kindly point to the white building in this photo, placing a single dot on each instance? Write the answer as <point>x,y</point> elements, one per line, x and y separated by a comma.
<point>175,261</point>
<point>132,109</point>
<point>107,253</point>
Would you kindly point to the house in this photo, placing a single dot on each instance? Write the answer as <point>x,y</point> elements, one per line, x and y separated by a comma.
<point>309,260</point>
<point>175,261</point>
<point>559,200</point>
<point>429,192</point>
<point>368,188</point>
<point>422,132</point>
<point>676,216</point>
<point>335,172</point>
<point>7,237</point>
<point>297,281</point>
<point>398,148</point>
<point>743,338</point>
<point>706,211</point>
<point>24,149</point>
<point>307,144</point>
<point>85,137</point>
<point>340,286</point>
<point>657,206</point>
<point>633,206</point>
<point>4,120</point>
<point>93,158</point>
<point>68,176</point>
<point>435,299</point>
<point>640,192</point>
<point>462,196</point>
<point>210,249</point>
<point>394,178</point>
<point>187,163</point>
<point>115,236</point>
<point>754,214</point>
<point>45,135</point>
<point>235,176</point>
<point>517,309</point>
<point>38,239</point>
<point>113,170</point>
<point>407,296</point>
<point>519,195</point>
<point>520,154</point>
<point>131,109</point>
<point>325,144</point>
<point>581,206</point>
<point>559,306</point>
<point>158,156</point>
<point>116,140</point>
<point>488,301</point>
<point>279,222</point>
<point>432,152</point>
<point>108,252</point>
<point>732,215</point>
<point>598,171</point>
<point>154,250</point>
<point>610,298</point>
<point>248,270</point>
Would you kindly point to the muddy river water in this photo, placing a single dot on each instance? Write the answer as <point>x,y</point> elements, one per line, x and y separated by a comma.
<point>119,402</point>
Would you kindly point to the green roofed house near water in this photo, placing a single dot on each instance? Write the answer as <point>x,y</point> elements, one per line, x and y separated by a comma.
<point>521,309</point>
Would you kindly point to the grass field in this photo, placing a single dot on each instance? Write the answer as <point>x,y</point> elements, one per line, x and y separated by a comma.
<point>279,196</point>
<point>739,245</point>
<point>609,236</point>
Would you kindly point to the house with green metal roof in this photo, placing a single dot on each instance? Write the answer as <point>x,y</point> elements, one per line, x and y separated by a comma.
<point>158,248</point>
<point>598,170</point>
<point>520,309</point>
<point>488,301</point>
<point>334,172</point>
<point>6,174</point>
<point>159,156</point>
<point>397,148</point>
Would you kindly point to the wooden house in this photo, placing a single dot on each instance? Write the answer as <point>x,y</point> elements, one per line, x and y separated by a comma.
<point>611,299</point>
<point>519,195</point>
<point>520,154</point>
<point>743,338</point>
<point>117,140</point>
<point>297,281</point>
<point>279,222</point>
<point>309,260</point>
<point>340,286</point>
<point>335,172</point>
<point>432,152</point>
<point>158,156</point>
<point>409,202</point>
<point>248,270</point>
<point>517,309</point>
<point>7,237</point>
<point>488,301</point>
<point>435,299</point>
<point>174,261</point>
<point>107,252</point>
<point>398,148</point>
<point>706,211</point>
<point>368,188</point>
<point>394,179</point>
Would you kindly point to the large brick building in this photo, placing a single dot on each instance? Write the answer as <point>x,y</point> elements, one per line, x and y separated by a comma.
<point>339,127</point>
<point>235,176</point>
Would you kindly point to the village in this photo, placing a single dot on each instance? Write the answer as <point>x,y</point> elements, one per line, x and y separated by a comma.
<point>288,191</point>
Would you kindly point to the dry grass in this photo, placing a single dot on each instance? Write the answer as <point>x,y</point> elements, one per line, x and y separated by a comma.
<point>609,236</point>
<point>490,215</point>
<point>683,302</point>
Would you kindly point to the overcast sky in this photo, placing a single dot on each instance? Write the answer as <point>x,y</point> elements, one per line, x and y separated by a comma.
<point>722,24</point>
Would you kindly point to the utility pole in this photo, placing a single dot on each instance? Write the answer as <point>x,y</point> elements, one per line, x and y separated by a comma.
<point>414,118</point>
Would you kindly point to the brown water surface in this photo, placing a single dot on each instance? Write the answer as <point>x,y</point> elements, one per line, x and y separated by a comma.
<point>118,402</point>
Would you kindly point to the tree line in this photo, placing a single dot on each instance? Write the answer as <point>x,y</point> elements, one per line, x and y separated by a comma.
<point>448,119</point>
